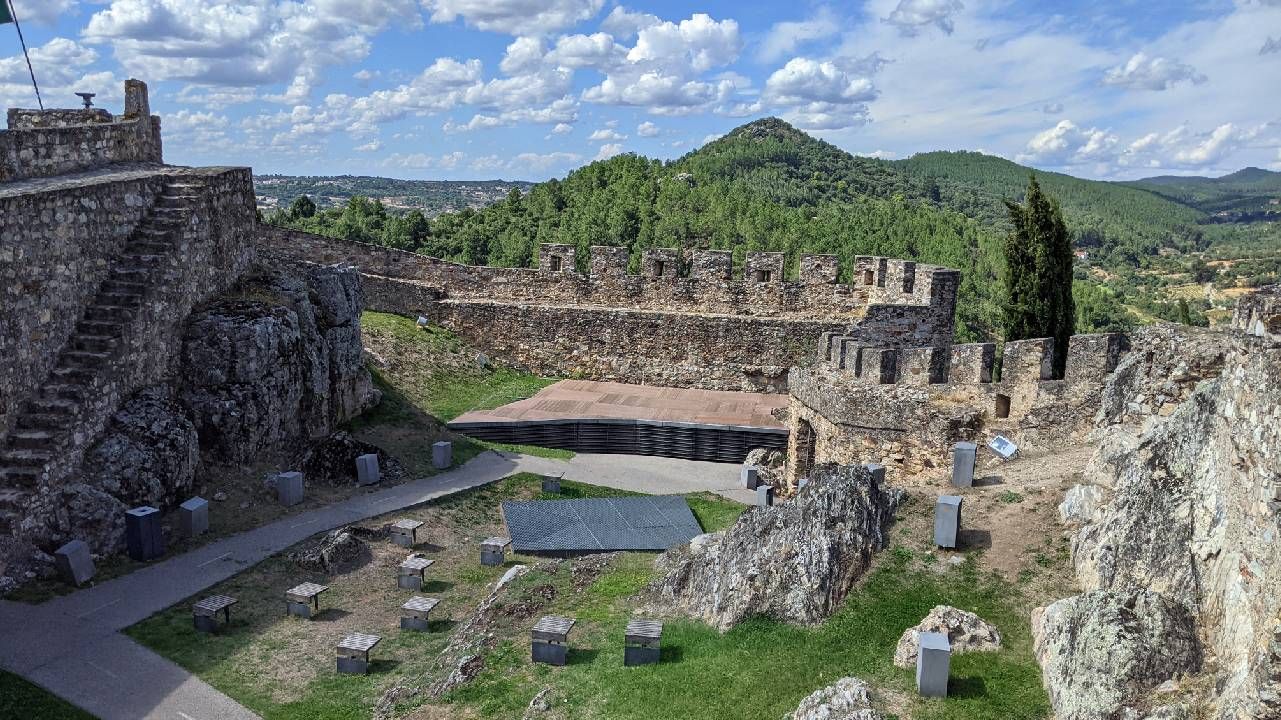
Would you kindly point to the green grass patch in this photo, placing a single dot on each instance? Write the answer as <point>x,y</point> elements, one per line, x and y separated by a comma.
<point>21,699</point>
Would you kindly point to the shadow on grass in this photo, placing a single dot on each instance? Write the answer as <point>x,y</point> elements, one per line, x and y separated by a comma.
<point>436,586</point>
<point>967,687</point>
<point>989,481</point>
<point>380,666</point>
<point>974,539</point>
<point>330,614</point>
<point>581,656</point>
<point>441,626</point>
<point>671,654</point>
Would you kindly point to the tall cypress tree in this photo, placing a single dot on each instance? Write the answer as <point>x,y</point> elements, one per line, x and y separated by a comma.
<point>1038,277</point>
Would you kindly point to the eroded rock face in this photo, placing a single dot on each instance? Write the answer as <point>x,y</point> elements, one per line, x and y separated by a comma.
<point>278,362</point>
<point>149,452</point>
<point>1192,513</point>
<point>793,562</point>
<point>1163,367</point>
<point>965,631</point>
<point>1103,651</point>
<point>845,699</point>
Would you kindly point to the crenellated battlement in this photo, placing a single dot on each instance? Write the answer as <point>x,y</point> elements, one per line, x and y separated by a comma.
<point>1090,358</point>
<point>899,303</point>
<point>46,143</point>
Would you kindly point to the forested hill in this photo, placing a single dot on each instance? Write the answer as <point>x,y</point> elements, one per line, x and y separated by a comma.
<point>1250,190</point>
<point>1131,221</point>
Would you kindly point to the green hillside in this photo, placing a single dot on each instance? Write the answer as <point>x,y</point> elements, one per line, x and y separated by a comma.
<point>1250,190</point>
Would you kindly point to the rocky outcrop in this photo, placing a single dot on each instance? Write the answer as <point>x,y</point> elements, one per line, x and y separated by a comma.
<point>793,562</point>
<point>845,699</point>
<point>769,464</point>
<point>965,631</point>
<point>149,453</point>
<point>278,361</point>
<point>1102,652</point>
<point>1162,369</point>
<point>1188,509</point>
<point>337,551</point>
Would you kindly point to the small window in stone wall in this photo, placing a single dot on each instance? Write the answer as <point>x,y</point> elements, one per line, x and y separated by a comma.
<point>909,283</point>
<point>555,263</point>
<point>659,267</point>
<point>763,276</point>
<point>869,277</point>
<point>1002,406</point>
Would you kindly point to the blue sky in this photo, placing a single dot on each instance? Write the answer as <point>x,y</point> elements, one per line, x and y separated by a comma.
<point>531,89</point>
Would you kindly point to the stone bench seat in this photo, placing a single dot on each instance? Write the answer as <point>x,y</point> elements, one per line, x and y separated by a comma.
<point>550,638</point>
<point>414,613</point>
<point>353,653</point>
<point>405,532</point>
<point>493,551</point>
<point>642,642</point>
<point>301,599</point>
<point>205,613</point>
<point>412,572</point>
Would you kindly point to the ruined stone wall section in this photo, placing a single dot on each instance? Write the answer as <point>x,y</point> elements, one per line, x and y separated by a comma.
<point>919,311</point>
<point>46,143</point>
<point>58,247</point>
<point>1259,313</point>
<point>211,254</point>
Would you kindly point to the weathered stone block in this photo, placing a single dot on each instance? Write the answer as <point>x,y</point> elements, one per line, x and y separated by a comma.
<point>819,269</point>
<point>947,520</point>
<point>1094,356</point>
<point>972,363</point>
<point>193,517</point>
<point>933,665</point>
<point>1028,360</point>
<point>289,488</point>
<point>442,454</point>
<point>763,267</point>
<point>661,264</point>
<point>367,469</point>
<point>74,562</point>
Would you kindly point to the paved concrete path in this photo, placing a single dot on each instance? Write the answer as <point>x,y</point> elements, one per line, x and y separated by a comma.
<point>72,646</point>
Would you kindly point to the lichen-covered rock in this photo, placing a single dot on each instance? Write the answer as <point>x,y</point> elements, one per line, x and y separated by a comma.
<point>1192,514</point>
<point>148,454</point>
<point>1163,367</point>
<point>793,562</point>
<point>279,361</point>
<point>1080,504</point>
<point>845,699</point>
<point>965,631</point>
<point>770,464</point>
<point>339,551</point>
<point>1102,651</point>
<point>75,511</point>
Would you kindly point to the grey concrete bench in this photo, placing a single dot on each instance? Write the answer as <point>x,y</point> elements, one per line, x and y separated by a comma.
<point>413,614</point>
<point>353,653</point>
<point>642,642</point>
<point>413,571</point>
<point>204,614</point>
<point>493,551</point>
<point>301,599</point>
<point>405,532</point>
<point>550,640</point>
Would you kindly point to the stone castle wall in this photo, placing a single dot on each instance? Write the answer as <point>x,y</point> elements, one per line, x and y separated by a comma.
<point>905,407</point>
<point>683,321</point>
<point>49,143</point>
<point>66,246</point>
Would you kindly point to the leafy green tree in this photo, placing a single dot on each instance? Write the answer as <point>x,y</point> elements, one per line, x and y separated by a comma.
<point>1038,277</point>
<point>301,208</point>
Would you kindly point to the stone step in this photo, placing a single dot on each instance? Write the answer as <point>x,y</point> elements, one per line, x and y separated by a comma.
<point>148,247</point>
<point>43,421</point>
<point>93,343</point>
<point>160,211</point>
<point>14,480</point>
<point>83,358</point>
<point>105,328</point>
<point>44,439</point>
<point>144,231</point>
<point>144,260</point>
<point>25,458</point>
<point>138,276</point>
<point>73,374</point>
<point>178,184</point>
<point>65,391</point>
<point>113,299</point>
<point>123,287</point>
<point>52,406</point>
<point>109,313</point>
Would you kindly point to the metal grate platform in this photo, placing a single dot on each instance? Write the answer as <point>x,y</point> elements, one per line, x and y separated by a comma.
<point>599,524</point>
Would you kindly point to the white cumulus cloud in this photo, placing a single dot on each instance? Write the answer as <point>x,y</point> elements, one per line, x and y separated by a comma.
<point>647,129</point>
<point>514,16</point>
<point>1142,72</point>
<point>911,16</point>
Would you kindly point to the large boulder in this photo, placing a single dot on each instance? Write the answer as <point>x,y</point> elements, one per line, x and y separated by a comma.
<point>1102,652</point>
<point>278,361</point>
<point>965,631</point>
<point>793,562</point>
<point>846,699</point>
<point>149,453</point>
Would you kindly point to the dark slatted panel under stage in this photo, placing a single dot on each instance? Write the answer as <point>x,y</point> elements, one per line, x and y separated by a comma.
<point>595,417</point>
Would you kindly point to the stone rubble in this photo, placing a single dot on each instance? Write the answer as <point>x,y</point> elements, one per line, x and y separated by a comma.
<point>846,699</point>
<point>965,631</point>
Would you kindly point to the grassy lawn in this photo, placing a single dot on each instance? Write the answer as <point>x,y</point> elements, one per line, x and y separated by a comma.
<point>283,668</point>
<point>21,699</point>
<point>430,377</point>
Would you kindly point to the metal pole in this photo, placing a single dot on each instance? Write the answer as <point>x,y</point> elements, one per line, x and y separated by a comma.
<point>22,40</point>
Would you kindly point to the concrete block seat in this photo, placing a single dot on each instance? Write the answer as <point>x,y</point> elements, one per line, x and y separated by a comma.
<point>302,600</point>
<point>550,640</point>
<point>204,614</point>
<point>353,653</point>
<point>493,551</point>
<point>413,614</point>
<point>642,641</point>
<point>405,532</point>
<point>413,571</point>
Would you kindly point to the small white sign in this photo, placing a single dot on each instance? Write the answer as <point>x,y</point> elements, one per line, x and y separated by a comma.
<point>1003,446</point>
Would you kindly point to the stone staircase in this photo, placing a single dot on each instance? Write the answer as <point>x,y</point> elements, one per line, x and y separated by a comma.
<point>45,424</point>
